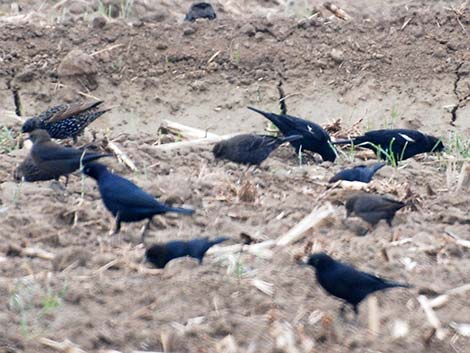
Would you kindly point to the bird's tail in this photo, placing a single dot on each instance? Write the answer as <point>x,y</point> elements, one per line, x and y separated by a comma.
<point>344,142</point>
<point>290,138</point>
<point>274,118</point>
<point>87,158</point>
<point>376,167</point>
<point>218,240</point>
<point>185,211</point>
<point>392,284</point>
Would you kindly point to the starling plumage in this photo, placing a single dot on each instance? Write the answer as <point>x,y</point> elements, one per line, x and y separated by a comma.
<point>372,207</point>
<point>54,160</point>
<point>200,10</point>
<point>160,254</point>
<point>399,144</point>
<point>126,201</point>
<point>360,173</point>
<point>249,149</point>
<point>345,282</point>
<point>65,120</point>
<point>314,137</point>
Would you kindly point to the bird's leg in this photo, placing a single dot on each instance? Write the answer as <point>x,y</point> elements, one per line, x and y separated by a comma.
<point>117,226</point>
<point>75,140</point>
<point>144,230</point>
<point>342,312</point>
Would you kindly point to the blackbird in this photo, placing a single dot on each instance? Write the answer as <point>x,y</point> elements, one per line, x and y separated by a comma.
<point>160,254</point>
<point>372,207</point>
<point>314,137</point>
<point>358,173</point>
<point>28,171</point>
<point>249,148</point>
<point>345,282</point>
<point>65,120</point>
<point>200,10</point>
<point>400,144</point>
<point>125,200</point>
<point>54,160</point>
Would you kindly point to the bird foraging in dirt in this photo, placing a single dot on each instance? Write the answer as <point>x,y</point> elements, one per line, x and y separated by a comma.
<point>65,120</point>
<point>126,201</point>
<point>28,171</point>
<point>160,254</point>
<point>396,144</point>
<point>200,10</point>
<point>345,282</point>
<point>249,149</point>
<point>360,173</point>
<point>372,207</point>
<point>53,160</point>
<point>314,137</point>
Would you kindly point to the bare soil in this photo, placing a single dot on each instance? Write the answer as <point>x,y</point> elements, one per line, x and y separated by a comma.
<point>150,66</point>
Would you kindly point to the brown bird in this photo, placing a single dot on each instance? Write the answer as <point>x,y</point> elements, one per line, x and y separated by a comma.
<point>54,160</point>
<point>28,171</point>
<point>372,207</point>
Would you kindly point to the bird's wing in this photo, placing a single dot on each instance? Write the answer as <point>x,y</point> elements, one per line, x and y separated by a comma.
<point>353,278</point>
<point>52,151</point>
<point>307,127</point>
<point>123,192</point>
<point>70,110</point>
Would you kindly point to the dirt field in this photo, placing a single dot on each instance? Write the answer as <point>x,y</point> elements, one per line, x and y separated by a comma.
<point>395,64</point>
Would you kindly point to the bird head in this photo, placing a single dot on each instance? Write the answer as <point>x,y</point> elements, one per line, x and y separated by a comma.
<point>329,154</point>
<point>218,149</point>
<point>435,144</point>
<point>94,170</point>
<point>157,255</point>
<point>30,125</point>
<point>39,136</point>
<point>350,205</point>
<point>319,260</point>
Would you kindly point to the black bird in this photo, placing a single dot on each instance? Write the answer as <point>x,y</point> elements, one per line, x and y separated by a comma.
<point>160,254</point>
<point>345,282</point>
<point>125,200</point>
<point>200,10</point>
<point>358,173</point>
<point>372,207</point>
<point>399,143</point>
<point>249,149</point>
<point>28,171</point>
<point>54,160</point>
<point>314,137</point>
<point>65,120</point>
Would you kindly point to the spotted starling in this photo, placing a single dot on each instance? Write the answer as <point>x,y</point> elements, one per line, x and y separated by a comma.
<point>160,254</point>
<point>249,149</point>
<point>358,173</point>
<point>372,207</point>
<point>314,137</point>
<point>345,282</point>
<point>28,171</point>
<point>200,10</point>
<point>398,144</point>
<point>55,160</point>
<point>125,200</point>
<point>65,120</point>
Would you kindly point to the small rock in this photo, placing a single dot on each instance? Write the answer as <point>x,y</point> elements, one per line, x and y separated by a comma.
<point>189,30</point>
<point>79,64</point>
<point>158,16</point>
<point>162,46</point>
<point>27,75</point>
<point>259,36</point>
<point>248,29</point>
<point>77,7</point>
<point>99,22</point>
<point>337,56</point>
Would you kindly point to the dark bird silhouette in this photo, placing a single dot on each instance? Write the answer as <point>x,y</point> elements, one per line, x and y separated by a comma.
<point>399,143</point>
<point>28,171</point>
<point>160,254</point>
<point>345,282</point>
<point>372,207</point>
<point>200,10</point>
<point>249,149</point>
<point>55,160</point>
<point>314,137</point>
<point>125,200</point>
<point>358,173</point>
<point>65,120</point>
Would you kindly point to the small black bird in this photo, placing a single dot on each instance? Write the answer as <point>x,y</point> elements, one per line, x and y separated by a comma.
<point>249,149</point>
<point>358,173</point>
<point>400,143</point>
<point>55,160</point>
<point>200,10</point>
<point>160,254</point>
<point>345,282</point>
<point>28,171</point>
<point>314,137</point>
<point>65,120</point>
<point>125,200</point>
<point>372,207</point>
